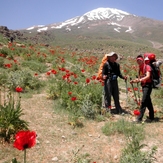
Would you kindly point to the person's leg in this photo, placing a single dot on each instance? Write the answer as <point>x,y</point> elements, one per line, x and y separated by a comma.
<point>144,102</point>
<point>103,98</point>
<point>150,106</point>
<point>115,93</point>
<point>107,96</point>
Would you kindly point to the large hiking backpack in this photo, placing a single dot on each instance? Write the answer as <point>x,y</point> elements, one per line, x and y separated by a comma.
<point>156,76</point>
<point>156,73</point>
<point>99,74</point>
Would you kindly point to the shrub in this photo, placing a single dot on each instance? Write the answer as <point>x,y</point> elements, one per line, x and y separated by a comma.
<point>35,66</point>
<point>10,113</point>
<point>24,79</point>
<point>1,62</point>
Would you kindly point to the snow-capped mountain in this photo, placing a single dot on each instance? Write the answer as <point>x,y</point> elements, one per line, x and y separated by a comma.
<point>106,22</point>
<point>94,15</point>
<point>110,15</point>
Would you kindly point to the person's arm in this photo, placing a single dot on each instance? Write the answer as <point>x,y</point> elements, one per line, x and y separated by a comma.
<point>105,71</point>
<point>148,74</point>
<point>120,74</point>
<point>146,77</point>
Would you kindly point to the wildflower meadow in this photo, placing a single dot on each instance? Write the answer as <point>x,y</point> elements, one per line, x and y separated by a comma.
<point>69,78</point>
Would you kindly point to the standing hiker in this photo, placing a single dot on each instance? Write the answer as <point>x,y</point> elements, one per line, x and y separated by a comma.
<point>11,39</point>
<point>111,71</point>
<point>145,78</point>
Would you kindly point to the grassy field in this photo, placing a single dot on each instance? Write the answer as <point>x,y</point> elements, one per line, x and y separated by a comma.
<point>61,101</point>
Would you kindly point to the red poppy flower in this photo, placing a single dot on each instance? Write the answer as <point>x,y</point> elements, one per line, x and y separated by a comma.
<point>69,93</point>
<point>87,80</point>
<point>102,84</point>
<point>24,140</point>
<point>135,89</point>
<point>19,89</point>
<point>124,70</point>
<point>75,76</point>
<point>136,112</point>
<point>48,73</point>
<point>73,98</point>
<point>93,77</point>
<point>63,69</point>
<point>8,65</point>
<point>53,71</point>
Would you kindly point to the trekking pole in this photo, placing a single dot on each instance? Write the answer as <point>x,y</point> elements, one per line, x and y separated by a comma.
<point>134,91</point>
<point>126,90</point>
<point>138,92</point>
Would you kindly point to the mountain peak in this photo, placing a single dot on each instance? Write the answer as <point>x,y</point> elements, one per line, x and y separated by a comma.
<point>105,13</point>
<point>108,10</point>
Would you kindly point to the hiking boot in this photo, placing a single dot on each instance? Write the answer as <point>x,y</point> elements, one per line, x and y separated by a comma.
<point>121,112</point>
<point>148,120</point>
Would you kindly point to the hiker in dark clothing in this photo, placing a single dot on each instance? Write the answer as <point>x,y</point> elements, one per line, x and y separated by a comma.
<point>111,71</point>
<point>146,82</point>
<point>11,39</point>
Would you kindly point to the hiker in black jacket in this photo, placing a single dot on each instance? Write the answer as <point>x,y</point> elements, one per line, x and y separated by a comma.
<point>111,71</point>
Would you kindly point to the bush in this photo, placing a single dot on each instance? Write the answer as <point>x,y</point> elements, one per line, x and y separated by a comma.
<point>35,66</point>
<point>24,79</point>
<point>10,122</point>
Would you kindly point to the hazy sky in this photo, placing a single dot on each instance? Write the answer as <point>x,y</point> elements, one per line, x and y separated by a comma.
<point>18,14</point>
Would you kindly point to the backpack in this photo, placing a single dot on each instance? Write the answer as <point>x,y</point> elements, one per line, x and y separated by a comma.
<point>156,73</point>
<point>99,74</point>
<point>156,76</point>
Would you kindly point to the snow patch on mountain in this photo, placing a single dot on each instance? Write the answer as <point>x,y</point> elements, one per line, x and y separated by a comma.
<point>111,15</point>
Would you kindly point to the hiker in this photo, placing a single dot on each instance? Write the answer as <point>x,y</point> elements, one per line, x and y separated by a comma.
<point>145,78</point>
<point>11,39</point>
<point>111,71</point>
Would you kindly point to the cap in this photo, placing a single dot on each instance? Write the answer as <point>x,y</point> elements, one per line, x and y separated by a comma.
<point>111,54</point>
<point>139,58</point>
<point>146,59</point>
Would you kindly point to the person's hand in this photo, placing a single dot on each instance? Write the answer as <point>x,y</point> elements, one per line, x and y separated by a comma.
<point>104,77</point>
<point>135,81</point>
<point>131,81</point>
<point>125,78</point>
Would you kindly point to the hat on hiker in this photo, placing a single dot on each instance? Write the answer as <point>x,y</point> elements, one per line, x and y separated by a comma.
<point>139,58</point>
<point>146,59</point>
<point>111,54</point>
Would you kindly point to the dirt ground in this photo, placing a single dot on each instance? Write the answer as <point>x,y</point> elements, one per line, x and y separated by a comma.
<point>58,141</point>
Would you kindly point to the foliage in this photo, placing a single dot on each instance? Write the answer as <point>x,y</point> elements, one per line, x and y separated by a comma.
<point>134,135</point>
<point>3,77</point>
<point>71,80</point>
<point>88,108</point>
<point>24,79</point>
<point>123,127</point>
<point>35,66</point>
<point>1,62</point>
<point>82,158</point>
<point>132,153</point>
<point>10,121</point>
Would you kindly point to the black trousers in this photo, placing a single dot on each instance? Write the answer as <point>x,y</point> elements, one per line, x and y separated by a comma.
<point>111,89</point>
<point>146,102</point>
